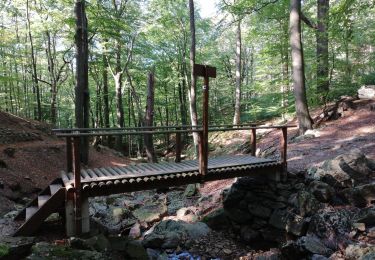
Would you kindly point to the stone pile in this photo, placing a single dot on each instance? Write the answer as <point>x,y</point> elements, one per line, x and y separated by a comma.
<point>316,213</point>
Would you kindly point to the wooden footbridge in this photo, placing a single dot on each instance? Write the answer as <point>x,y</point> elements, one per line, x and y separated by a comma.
<point>70,193</point>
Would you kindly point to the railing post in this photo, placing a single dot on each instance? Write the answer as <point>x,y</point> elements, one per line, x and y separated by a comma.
<point>69,155</point>
<point>283,148</point>
<point>77,185</point>
<point>253,141</point>
<point>178,146</point>
<point>206,72</point>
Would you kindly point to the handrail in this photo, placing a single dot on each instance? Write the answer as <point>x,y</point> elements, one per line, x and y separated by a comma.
<point>73,132</point>
<point>78,134</point>
<point>61,130</point>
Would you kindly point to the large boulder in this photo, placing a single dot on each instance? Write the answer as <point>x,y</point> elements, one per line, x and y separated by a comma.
<point>171,234</point>
<point>332,226</point>
<point>345,170</point>
<point>360,196</point>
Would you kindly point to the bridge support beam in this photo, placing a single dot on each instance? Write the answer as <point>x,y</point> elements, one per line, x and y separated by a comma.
<point>70,216</point>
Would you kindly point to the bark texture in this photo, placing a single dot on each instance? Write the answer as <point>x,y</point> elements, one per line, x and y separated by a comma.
<point>149,119</point>
<point>322,47</point>
<point>192,91</point>
<point>237,100</point>
<point>298,70</point>
<point>82,109</point>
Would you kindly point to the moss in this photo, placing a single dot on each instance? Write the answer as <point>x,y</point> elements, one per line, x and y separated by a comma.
<point>4,250</point>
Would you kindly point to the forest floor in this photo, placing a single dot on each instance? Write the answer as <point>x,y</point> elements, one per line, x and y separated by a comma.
<point>31,157</point>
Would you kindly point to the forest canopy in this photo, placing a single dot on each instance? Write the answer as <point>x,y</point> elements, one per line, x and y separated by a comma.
<point>247,40</point>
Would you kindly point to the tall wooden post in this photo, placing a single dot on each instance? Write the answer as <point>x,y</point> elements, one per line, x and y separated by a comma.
<point>206,72</point>
<point>69,155</point>
<point>178,147</point>
<point>77,185</point>
<point>283,148</point>
<point>253,141</point>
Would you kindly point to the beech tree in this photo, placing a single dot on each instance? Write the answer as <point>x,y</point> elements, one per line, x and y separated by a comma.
<point>298,68</point>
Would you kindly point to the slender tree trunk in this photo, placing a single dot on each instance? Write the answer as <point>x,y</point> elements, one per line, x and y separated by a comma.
<point>149,119</point>
<point>192,95</point>
<point>36,91</point>
<point>118,87</point>
<point>105,93</point>
<point>237,102</point>
<point>322,49</point>
<point>304,119</point>
<point>82,109</point>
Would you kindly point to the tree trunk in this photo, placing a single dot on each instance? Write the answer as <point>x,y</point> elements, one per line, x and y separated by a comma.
<point>298,73</point>
<point>36,91</point>
<point>105,93</point>
<point>118,87</point>
<point>237,102</point>
<point>322,72</point>
<point>82,111</point>
<point>149,119</point>
<point>192,95</point>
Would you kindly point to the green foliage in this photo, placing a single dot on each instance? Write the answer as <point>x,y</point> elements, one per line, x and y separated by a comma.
<point>368,79</point>
<point>4,250</point>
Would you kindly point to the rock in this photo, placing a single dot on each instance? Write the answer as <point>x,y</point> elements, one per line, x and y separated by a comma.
<point>152,254</point>
<point>217,219</point>
<point>259,211</point>
<point>332,225</point>
<point>279,219</point>
<point>45,250</point>
<point>366,92</point>
<point>238,216</point>
<point>305,246</point>
<point>227,251</point>
<point>318,257</point>
<point>15,247</point>
<point>248,234</point>
<point>359,251</point>
<point>135,250</point>
<point>359,226</point>
<point>297,225</point>
<point>135,231</point>
<point>346,169</point>
<point>190,190</point>
<point>99,243</point>
<point>360,196</point>
<point>170,234</point>
<point>322,191</point>
<point>272,254</point>
<point>366,216</point>
<point>118,214</point>
<point>306,136</point>
<point>307,204</point>
<point>233,196</point>
<point>151,212</point>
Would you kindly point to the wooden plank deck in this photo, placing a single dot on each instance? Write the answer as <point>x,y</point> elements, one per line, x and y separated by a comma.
<point>110,180</point>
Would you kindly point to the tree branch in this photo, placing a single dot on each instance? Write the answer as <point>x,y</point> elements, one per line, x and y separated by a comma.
<point>308,22</point>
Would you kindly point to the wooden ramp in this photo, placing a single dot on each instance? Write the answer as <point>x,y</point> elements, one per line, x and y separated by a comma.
<point>111,180</point>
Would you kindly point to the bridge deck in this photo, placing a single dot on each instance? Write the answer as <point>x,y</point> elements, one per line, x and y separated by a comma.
<point>109,180</point>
